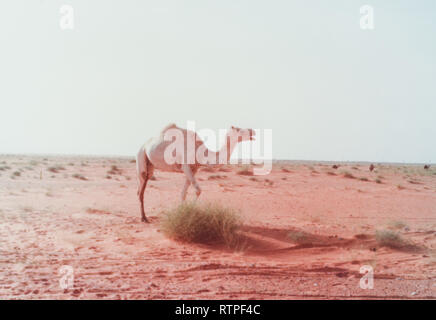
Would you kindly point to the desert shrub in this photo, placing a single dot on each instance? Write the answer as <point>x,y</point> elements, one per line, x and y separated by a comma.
<point>391,239</point>
<point>225,169</point>
<point>202,223</point>
<point>364,179</point>
<point>55,169</point>
<point>216,177</point>
<point>348,175</point>
<point>299,237</point>
<point>396,224</point>
<point>268,182</point>
<point>245,171</point>
<point>114,170</point>
<point>79,176</point>
<point>378,180</point>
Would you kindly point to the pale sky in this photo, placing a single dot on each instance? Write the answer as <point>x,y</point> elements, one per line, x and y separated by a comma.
<point>304,69</point>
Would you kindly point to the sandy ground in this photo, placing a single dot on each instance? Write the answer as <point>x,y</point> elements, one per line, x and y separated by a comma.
<point>310,230</point>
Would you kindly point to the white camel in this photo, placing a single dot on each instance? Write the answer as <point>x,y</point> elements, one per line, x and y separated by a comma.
<point>154,154</point>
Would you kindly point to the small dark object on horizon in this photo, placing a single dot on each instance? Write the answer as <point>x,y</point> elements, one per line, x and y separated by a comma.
<point>371,167</point>
<point>427,166</point>
<point>335,166</point>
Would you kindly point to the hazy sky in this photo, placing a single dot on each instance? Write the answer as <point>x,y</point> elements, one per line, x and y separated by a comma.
<point>305,69</point>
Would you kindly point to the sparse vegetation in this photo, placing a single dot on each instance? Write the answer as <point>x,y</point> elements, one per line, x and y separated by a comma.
<point>400,187</point>
<point>268,182</point>
<point>79,176</point>
<point>364,179</point>
<point>216,177</point>
<point>245,171</point>
<point>202,223</point>
<point>348,175</point>
<point>396,224</point>
<point>391,239</point>
<point>299,237</point>
<point>55,169</point>
<point>378,180</point>
<point>115,170</point>
<point>224,169</point>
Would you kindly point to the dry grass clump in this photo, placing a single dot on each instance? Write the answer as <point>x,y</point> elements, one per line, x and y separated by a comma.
<point>79,176</point>
<point>348,175</point>
<point>299,237</point>
<point>268,182</point>
<point>225,169</point>
<point>55,169</point>
<point>397,224</point>
<point>16,174</point>
<point>207,169</point>
<point>216,177</point>
<point>202,223</point>
<point>364,179</point>
<point>245,171</point>
<point>115,170</point>
<point>391,239</point>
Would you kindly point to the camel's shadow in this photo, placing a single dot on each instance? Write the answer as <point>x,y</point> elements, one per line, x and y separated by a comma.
<point>268,241</point>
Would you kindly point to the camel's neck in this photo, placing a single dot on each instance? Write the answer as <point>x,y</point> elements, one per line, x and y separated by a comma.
<point>223,155</point>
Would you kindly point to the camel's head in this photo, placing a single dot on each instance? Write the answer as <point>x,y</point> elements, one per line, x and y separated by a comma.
<point>243,134</point>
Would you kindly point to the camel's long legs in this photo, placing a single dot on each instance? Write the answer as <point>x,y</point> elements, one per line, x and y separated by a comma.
<point>185,189</point>
<point>190,177</point>
<point>141,199</point>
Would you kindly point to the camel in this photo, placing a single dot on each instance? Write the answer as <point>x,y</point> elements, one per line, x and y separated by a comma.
<point>154,155</point>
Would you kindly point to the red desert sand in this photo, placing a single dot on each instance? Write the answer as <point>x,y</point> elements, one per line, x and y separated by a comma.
<point>309,230</point>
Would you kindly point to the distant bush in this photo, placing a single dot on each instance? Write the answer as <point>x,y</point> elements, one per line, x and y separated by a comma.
<point>391,239</point>
<point>79,176</point>
<point>348,175</point>
<point>245,171</point>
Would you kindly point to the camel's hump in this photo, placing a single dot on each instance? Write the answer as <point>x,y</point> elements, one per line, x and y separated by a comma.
<point>170,126</point>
